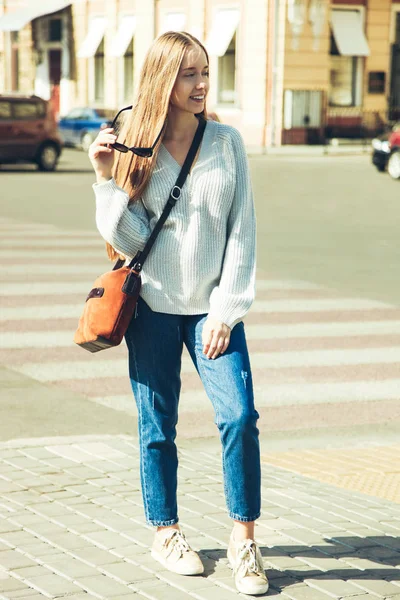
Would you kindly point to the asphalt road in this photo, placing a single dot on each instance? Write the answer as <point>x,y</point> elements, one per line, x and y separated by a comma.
<point>331,220</point>
<point>324,334</point>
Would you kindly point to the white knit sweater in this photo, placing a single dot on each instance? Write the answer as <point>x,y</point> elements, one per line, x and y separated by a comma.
<point>204,258</point>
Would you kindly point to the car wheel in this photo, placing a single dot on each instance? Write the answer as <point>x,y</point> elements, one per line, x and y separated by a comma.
<point>86,140</point>
<point>47,158</point>
<point>394,165</point>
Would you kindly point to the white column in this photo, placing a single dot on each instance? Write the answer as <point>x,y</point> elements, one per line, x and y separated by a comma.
<point>252,69</point>
<point>279,75</point>
<point>195,24</point>
<point>112,80</point>
<point>42,81</point>
<point>66,91</point>
<point>144,34</point>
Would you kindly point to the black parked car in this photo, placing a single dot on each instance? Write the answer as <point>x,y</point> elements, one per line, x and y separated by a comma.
<point>381,151</point>
<point>386,152</point>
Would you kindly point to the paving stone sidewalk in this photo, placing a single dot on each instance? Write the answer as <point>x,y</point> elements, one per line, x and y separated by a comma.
<point>72,526</point>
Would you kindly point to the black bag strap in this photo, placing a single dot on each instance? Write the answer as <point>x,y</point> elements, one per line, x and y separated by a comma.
<point>137,261</point>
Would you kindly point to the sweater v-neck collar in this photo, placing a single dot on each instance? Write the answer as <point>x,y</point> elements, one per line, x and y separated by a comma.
<point>165,154</point>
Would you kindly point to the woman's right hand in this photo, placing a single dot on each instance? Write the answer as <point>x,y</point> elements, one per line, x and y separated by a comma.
<point>101,155</point>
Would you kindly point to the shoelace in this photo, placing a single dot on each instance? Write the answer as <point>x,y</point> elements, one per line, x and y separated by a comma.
<point>177,541</point>
<point>247,560</point>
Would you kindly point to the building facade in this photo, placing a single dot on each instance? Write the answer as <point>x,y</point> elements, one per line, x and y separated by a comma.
<point>282,71</point>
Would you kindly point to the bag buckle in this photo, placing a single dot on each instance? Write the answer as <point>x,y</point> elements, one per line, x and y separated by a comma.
<point>174,195</point>
<point>137,267</point>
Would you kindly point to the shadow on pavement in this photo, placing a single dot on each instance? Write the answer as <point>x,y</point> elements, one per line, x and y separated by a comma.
<point>378,549</point>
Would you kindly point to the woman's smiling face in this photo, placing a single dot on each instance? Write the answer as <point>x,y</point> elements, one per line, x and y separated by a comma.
<point>192,84</point>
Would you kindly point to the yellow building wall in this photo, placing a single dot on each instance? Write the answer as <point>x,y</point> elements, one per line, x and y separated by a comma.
<point>306,68</point>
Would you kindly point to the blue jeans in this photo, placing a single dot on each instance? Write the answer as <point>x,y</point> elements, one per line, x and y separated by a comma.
<point>155,342</point>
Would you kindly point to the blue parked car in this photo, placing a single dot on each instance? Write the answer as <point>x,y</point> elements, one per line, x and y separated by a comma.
<point>82,125</point>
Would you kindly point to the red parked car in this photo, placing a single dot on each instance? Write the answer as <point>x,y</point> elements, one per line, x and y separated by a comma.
<point>394,158</point>
<point>28,131</point>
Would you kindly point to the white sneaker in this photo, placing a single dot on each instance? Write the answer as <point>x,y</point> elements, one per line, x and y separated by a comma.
<point>171,549</point>
<point>248,568</point>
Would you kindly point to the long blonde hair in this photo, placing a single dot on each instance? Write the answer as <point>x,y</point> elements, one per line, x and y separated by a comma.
<point>150,110</point>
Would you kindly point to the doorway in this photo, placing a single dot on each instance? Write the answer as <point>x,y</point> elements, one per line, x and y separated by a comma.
<point>55,79</point>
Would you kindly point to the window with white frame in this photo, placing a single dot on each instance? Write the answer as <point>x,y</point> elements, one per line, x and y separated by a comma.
<point>15,83</point>
<point>348,47</point>
<point>227,93</point>
<point>99,73</point>
<point>128,74</point>
<point>302,109</point>
<point>343,78</point>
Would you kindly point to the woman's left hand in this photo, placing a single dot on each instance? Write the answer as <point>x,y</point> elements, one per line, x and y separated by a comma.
<point>215,336</point>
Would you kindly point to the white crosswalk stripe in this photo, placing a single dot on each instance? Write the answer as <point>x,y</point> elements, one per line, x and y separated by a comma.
<point>52,241</point>
<point>293,305</point>
<point>259,360</point>
<point>60,339</point>
<point>44,255</point>
<point>310,358</point>
<point>281,395</point>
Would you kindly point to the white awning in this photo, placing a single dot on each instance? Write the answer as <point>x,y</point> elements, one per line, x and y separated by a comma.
<point>123,36</point>
<point>348,31</point>
<point>16,20</point>
<point>93,39</point>
<point>173,22</point>
<point>222,31</point>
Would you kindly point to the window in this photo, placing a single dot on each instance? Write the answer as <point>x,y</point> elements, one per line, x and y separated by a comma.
<point>55,30</point>
<point>397,32</point>
<point>5,110</point>
<point>128,74</point>
<point>105,113</point>
<point>348,47</point>
<point>342,90</point>
<point>376,82</point>
<point>227,75</point>
<point>302,108</point>
<point>343,78</point>
<point>14,61</point>
<point>25,110</point>
<point>76,113</point>
<point>99,73</point>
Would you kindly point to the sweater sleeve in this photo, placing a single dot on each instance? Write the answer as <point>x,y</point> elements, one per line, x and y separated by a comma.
<point>232,298</point>
<point>125,227</point>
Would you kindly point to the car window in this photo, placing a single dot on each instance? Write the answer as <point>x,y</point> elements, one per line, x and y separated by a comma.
<point>41,109</point>
<point>5,109</point>
<point>75,113</point>
<point>105,113</point>
<point>25,110</point>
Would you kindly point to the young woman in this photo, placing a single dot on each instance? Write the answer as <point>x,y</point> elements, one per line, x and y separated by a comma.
<point>197,284</point>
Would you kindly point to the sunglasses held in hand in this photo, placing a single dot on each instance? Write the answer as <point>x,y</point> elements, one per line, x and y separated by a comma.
<point>142,152</point>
